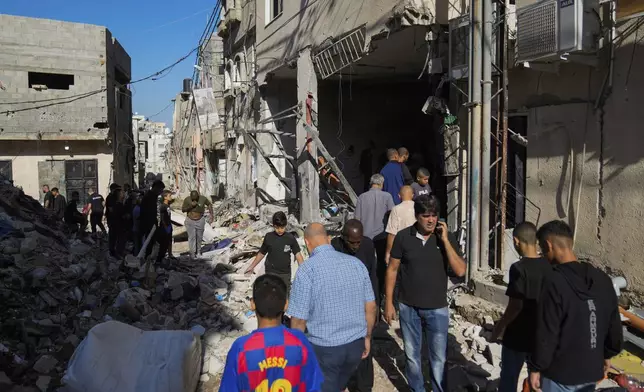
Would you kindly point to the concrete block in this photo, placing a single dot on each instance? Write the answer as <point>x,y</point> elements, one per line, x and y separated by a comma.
<point>490,292</point>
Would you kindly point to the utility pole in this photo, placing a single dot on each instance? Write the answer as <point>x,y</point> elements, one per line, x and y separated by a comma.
<point>486,131</point>
<point>474,156</point>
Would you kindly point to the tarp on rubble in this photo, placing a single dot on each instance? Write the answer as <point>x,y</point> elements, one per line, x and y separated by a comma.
<point>116,357</point>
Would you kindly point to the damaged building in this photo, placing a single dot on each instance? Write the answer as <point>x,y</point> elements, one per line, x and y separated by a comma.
<point>65,106</point>
<point>197,149</point>
<point>364,77</point>
<point>355,74</point>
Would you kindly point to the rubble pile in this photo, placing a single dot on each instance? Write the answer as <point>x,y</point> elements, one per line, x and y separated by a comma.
<point>53,290</point>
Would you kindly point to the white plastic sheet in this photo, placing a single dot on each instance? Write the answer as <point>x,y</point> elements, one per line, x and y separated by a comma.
<point>116,357</point>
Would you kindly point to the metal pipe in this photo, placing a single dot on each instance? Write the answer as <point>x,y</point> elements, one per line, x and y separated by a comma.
<point>486,131</point>
<point>504,135</point>
<point>476,12</point>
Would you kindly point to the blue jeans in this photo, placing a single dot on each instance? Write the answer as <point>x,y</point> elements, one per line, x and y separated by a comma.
<point>434,323</point>
<point>547,385</point>
<point>511,365</point>
<point>338,364</point>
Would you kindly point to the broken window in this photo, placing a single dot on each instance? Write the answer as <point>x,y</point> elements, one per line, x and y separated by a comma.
<point>273,9</point>
<point>52,81</point>
<point>6,170</point>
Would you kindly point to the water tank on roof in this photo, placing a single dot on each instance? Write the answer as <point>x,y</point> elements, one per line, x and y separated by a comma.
<point>187,86</point>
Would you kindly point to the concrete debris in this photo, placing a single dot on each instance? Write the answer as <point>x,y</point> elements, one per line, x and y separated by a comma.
<point>54,290</point>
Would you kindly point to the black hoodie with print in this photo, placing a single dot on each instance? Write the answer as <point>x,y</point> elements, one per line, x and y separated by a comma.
<point>578,325</point>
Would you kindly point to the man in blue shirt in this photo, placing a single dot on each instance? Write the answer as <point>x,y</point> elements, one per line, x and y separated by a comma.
<point>339,326</point>
<point>393,174</point>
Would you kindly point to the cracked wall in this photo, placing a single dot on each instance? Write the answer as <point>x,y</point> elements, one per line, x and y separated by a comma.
<point>561,115</point>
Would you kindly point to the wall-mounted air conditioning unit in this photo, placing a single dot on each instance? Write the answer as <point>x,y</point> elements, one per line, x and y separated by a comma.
<point>459,47</point>
<point>548,30</point>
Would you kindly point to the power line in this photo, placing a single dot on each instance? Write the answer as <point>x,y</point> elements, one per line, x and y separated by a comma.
<point>162,110</point>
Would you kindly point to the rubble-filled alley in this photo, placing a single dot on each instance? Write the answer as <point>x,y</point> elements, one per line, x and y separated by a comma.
<point>55,290</point>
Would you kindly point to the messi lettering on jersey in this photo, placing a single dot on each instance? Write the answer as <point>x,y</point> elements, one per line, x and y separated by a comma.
<point>272,360</point>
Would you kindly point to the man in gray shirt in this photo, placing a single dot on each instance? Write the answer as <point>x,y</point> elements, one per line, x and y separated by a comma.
<point>372,209</point>
<point>373,206</point>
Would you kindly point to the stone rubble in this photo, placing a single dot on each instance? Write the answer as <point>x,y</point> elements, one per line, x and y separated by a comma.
<point>55,288</point>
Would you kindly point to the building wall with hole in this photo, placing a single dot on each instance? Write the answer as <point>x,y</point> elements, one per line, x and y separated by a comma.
<point>88,109</point>
<point>599,192</point>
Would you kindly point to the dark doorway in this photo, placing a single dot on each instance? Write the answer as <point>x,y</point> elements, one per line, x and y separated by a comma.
<point>516,181</point>
<point>80,176</point>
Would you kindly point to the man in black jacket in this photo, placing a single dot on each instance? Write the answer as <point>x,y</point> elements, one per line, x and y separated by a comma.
<point>354,243</point>
<point>578,323</point>
<point>150,212</point>
<point>59,204</point>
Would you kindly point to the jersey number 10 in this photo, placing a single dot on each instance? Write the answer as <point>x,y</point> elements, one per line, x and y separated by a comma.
<point>279,385</point>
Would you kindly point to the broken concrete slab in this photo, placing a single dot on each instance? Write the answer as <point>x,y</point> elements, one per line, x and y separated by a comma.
<point>45,364</point>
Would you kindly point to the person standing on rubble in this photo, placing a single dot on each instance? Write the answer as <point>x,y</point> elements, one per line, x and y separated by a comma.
<point>76,221</point>
<point>272,357</point>
<point>517,326</point>
<point>423,253</point>
<point>59,204</point>
<point>48,198</point>
<point>372,210</point>
<point>278,247</point>
<point>403,157</point>
<point>354,243</point>
<point>136,225</point>
<point>110,201</point>
<point>578,321</point>
<point>393,175</point>
<point>332,297</point>
<point>194,206</point>
<point>116,224</point>
<point>164,231</point>
<point>96,210</point>
<point>150,212</point>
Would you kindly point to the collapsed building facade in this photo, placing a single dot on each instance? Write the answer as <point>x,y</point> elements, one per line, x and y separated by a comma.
<point>66,106</point>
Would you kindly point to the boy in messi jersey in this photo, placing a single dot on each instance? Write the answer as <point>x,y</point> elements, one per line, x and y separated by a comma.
<point>273,357</point>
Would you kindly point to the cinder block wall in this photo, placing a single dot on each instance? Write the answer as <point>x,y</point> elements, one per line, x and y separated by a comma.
<point>42,45</point>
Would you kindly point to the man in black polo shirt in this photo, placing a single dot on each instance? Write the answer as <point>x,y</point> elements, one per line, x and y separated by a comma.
<point>354,243</point>
<point>96,210</point>
<point>423,252</point>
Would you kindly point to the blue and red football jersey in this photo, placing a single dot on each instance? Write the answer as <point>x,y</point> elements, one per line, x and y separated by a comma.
<point>274,359</point>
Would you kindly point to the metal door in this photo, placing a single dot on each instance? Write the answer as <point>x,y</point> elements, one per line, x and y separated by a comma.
<point>80,176</point>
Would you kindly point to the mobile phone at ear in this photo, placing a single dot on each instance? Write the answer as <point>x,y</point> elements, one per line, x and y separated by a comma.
<point>439,229</point>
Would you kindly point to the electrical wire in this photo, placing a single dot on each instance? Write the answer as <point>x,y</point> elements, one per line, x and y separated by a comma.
<point>162,110</point>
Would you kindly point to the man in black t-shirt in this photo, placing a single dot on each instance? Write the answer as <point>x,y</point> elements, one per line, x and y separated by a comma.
<point>96,210</point>
<point>278,245</point>
<point>423,252</point>
<point>518,324</point>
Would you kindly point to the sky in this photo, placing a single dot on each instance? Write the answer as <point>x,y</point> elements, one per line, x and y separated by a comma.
<point>155,33</point>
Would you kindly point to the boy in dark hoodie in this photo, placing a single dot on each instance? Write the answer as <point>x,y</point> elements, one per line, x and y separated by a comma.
<point>517,326</point>
<point>578,323</point>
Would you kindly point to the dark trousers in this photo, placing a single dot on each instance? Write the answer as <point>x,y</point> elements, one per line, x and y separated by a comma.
<point>96,219</point>
<point>338,364</point>
<point>286,278</point>
<point>138,242</point>
<point>116,239</point>
<point>380,244</point>
<point>164,239</point>
<point>362,378</point>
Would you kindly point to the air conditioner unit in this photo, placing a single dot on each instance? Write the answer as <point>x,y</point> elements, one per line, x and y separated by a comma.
<point>459,47</point>
<point>550,29</point>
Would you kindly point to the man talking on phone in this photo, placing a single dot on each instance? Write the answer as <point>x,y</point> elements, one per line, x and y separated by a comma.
<point>423,253</point>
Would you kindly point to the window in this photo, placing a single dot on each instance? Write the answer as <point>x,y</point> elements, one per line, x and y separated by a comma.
<point>53,81</point>
<point>273,9</point>
<point>6,170</point>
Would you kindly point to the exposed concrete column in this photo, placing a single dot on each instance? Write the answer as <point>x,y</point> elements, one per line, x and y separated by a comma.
<point>309,181</point>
